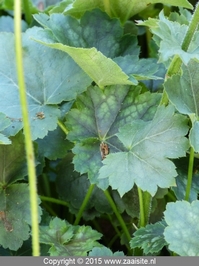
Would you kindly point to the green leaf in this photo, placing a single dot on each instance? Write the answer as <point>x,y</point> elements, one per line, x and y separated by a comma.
<point>98,67</point>
<point>117,8</point>
<point>44,91</point>
<point>148,146</point>
<point>183,90</point>
<point>68,240</point>
<point>54,145</point>
<point>15,215</point>
<point>142,69</point>
<point>104,251</point>
<point>4,123</point>
<point>149,238</point>
<point>170,43</point>
<point>70,183</point>
<point>12,161</point>
<point>97,117</point>
<point>94,29</point>
<point>7,24</point>
<point>183,229</point>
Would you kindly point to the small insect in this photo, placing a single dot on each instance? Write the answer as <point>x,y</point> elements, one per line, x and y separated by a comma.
<point>40,115</point>
<point>7,224</point>
<point>104,150</point>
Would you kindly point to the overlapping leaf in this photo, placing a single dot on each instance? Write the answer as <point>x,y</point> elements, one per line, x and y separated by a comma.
<point>183,228</point>
<point>115,8</point>
<point>68,240</point>
<point>97,117</point>
<point>149,238</point>
<point>15,215</point>
<point>183,89</point>
<point>143,69</point>
<point>91,43</point>
<point>183,92</point>
<point>94,29</point>
<point>148,146</point>
<point>50,76</point>
<point>169,36</point>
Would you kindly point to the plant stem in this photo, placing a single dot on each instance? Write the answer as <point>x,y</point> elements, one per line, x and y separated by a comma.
<point>84,203</point>
<point>141,202</point>
<point>27,12</point>
<point>119,217</point>
<point>192,29</point>
<point>190,174</point>
<point>27,132</point>
<point>62,126</point>
<point>53,200</point>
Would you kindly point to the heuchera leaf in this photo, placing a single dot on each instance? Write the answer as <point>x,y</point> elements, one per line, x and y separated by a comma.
<point>68,240</point>
<point>149,238</point>
<point>169,36</point>
<point>91,43</point>
<point>148,146</point>
<point>142,69</point>
<point>94,29</point>
<point>183,90</point>
<point>48,82</point>
<point>15,215</point>
<point>116,8</point>
<point>183,228</point>
<point>97,117</point>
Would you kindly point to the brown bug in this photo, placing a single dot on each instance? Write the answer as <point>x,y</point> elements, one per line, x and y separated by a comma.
<point>7,224</point>
<point>104,150</point>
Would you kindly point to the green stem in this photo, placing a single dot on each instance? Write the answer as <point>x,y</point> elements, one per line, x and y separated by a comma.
<point>192,29</point>
<point>141,202</point>
<point>84,203</point>
<point>190,174</point>
<point>62,126</point>
<point>27,132</point>
<point>27,12</point>
<point>119,217</point>
<point>53,200</point>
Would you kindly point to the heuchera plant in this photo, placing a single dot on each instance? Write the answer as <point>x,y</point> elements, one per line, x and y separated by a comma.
<point>99,144</point>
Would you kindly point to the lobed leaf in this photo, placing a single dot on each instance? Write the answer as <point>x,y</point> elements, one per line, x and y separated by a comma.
<point>15,215</point>
<point>97,117</point>
<point>182,231</point>
<point>149,238</point>
<point>169,36</point>
<point>68,240</point>
<point>148,146</point>
<point>48,82</point>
